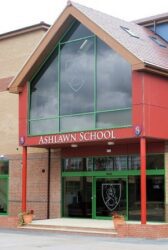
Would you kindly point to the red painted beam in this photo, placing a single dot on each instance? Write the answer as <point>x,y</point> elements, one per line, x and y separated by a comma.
<point>24,178</point>
<point>143,179</point>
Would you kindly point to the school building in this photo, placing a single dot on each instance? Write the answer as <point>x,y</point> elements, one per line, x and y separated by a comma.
<point>88,106</point>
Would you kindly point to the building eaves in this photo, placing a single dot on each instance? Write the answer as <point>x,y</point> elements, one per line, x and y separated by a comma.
<point>35,27</point>
<point>148,20</point>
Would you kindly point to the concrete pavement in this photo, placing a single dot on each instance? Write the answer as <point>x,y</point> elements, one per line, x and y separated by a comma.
<point>32,240</point>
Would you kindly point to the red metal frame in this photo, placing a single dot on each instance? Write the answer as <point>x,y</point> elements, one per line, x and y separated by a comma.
<point>143,179</point>
<point>149,107</point>
<point>24,178</point>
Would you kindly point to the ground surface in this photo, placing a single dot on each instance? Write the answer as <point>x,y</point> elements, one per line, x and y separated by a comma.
<point>31,240</point>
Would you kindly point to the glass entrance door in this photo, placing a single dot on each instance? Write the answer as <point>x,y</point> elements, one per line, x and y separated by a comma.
<point>77,197</point>
<point>110,196</point>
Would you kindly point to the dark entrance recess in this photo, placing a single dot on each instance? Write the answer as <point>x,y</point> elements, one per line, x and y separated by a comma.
<point>77,193</point>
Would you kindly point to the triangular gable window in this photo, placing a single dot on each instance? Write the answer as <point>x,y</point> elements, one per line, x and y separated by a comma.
<point>83,85</point>
<point>76,31</point>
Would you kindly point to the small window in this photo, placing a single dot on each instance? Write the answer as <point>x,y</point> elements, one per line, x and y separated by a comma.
<point>158,41</point>
<point>4,165</point>
<point>129,32</point>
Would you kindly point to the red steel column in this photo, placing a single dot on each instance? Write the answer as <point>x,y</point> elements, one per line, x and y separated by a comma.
<point>143,179</point>
<point>24,178</point>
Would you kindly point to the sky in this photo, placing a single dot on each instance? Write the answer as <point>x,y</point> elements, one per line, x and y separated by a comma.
<point>15,14</point>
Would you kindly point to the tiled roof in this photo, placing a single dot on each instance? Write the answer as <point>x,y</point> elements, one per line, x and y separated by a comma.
<point>142,52</point>
<point>143,47</point>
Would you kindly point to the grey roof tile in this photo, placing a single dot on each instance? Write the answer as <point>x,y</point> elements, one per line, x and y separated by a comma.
<point>143,48</point>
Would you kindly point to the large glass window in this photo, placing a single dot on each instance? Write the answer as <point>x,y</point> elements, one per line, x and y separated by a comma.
<point>77,31</point>
<point>114,74</point>
<point>44,101</point>
<point>76,123</point>
<point>44,98</point>
<point>83,85</point>
<point>77,77</point>
<point>113,119</point>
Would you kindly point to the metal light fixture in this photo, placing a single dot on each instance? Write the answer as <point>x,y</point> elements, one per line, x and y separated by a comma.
<point>74,145</point>
<point>110,143</point>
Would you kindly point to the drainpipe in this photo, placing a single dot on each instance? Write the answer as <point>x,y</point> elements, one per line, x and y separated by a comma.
<point>48,184</point>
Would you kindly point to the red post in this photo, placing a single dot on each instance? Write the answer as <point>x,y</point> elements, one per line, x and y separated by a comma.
<point>24,178</point>
<point>143,179</point>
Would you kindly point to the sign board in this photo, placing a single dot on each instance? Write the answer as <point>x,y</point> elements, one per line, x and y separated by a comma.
<point>77,137</point>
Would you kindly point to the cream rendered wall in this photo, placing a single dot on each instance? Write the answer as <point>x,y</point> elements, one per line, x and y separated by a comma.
<point>15,50</point>
<point>13,54</point>
<point>8,123</point>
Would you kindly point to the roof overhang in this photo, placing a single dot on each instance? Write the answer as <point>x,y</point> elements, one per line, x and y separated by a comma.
<point>36,27</point>
<point>162,18</point>
<point>148,67</point>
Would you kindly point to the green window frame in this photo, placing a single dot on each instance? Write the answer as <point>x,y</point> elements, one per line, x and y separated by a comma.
<point>4,189</point>
<point>93,115</point>
<point>114,174</point>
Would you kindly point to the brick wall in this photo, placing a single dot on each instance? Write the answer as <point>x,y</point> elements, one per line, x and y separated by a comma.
<point>37,184</point>
<point>55,184</point>
<point>8,221</point>
<point>143,231</point>
<point>15,166</point>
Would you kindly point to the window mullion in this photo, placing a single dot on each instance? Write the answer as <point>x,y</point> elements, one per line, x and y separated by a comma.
<point>59,66</point>
<point>95,80</point>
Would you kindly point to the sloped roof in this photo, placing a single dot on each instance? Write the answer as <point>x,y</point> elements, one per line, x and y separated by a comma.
<point>140,51</point>
<point>143,48</point>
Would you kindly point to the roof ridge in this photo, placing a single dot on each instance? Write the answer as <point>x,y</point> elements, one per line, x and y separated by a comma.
<point>75,4</point>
